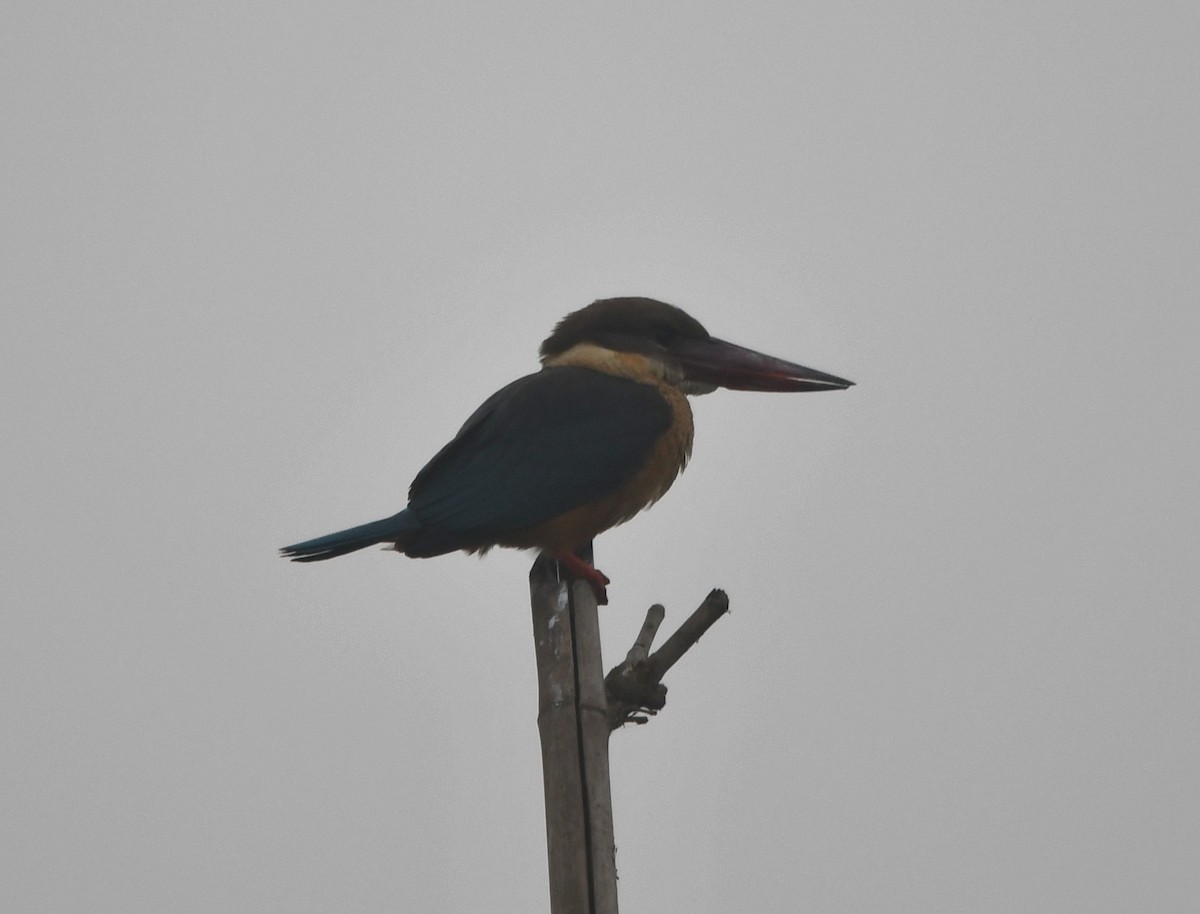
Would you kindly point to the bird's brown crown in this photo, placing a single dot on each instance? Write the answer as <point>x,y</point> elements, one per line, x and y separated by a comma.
<point>624,325</point>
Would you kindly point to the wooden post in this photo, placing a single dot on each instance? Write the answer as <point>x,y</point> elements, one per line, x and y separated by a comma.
<point>578,706</point>
<point>574,728</point>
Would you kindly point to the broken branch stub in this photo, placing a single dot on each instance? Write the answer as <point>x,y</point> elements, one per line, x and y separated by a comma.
<point>634,688</point>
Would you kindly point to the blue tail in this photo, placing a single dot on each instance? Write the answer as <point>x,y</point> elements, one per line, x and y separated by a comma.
<point>389,530</point>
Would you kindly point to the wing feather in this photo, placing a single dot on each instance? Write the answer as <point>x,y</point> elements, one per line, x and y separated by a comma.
<point>545,444</point>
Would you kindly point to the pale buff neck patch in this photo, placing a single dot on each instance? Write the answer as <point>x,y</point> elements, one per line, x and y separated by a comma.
<point>636,366</point>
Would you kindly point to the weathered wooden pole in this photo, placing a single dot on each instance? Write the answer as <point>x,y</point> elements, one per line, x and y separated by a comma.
<point>578,707</point>
<point>574,726</point>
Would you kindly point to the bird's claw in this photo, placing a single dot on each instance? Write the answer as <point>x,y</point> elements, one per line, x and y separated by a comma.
<point>585,570</point>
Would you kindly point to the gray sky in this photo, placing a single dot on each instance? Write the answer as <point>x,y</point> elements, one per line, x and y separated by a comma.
<point>260,261</point>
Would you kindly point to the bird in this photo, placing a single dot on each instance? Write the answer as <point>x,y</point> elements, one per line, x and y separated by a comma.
<point>559,456</point>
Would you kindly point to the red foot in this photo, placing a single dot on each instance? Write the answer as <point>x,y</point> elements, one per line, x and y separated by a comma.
<point>589,573</point>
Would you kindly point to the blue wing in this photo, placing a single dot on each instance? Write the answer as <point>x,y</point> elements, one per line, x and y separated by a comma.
<point>545,444</point>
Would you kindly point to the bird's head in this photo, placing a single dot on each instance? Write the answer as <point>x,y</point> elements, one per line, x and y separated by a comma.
<point>675,346</point>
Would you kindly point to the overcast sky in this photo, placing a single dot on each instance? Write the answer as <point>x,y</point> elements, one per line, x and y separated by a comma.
<point>261,260</point>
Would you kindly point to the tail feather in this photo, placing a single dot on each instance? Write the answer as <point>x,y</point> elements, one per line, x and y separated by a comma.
<point>391,529</point>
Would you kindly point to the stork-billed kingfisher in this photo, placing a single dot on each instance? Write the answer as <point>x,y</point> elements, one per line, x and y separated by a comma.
<point>557,457</point>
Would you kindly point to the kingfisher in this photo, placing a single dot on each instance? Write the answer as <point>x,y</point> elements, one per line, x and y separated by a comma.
<point>593,438</point>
